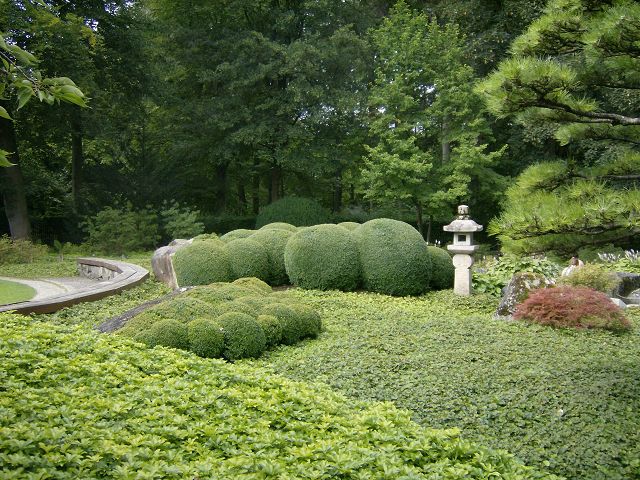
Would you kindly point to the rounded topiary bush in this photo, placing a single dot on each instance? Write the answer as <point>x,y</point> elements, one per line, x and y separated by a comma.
<point>295,326</point>
<point>349,225</point>
<point>237,306</point>
<point>168,333</point>
<point>205,338</point>
<point>221,292</point>
<point>253,283</point>
<point>323,257</point>
<point>182,309</point>
<point>206,236</point>
<point>393,257</point>
<point>202,263</point>
<point>243,336</point>
<point>274,241</point>
<point>280,226</point>
<point>442,269</point>
<point>236,235</point>
<point>272,328</point>
<point>577,307</point>
<point>248,258</point>
<point>308,319</point>
<point>296,211</point>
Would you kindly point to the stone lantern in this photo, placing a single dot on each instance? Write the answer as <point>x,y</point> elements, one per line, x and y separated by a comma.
<point>463,247</point>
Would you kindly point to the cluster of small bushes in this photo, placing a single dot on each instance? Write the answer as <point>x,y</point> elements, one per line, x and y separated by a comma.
<point>381,255</point>
<point>20,251</point>
<point>231,320</point>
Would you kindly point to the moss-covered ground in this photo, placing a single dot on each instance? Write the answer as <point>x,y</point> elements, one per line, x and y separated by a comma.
<point>564,400</point>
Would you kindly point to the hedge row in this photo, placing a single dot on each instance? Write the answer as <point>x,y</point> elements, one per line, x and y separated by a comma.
<point>382,255</point>
<point>78,404</point>
<point>231,320</point>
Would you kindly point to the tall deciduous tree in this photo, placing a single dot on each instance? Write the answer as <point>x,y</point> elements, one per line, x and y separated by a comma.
<point>575,70</point>
<point>21,78</point>
<point>425,119</point>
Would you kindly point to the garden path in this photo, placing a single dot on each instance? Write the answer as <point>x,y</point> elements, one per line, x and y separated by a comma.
<point>51,287</point>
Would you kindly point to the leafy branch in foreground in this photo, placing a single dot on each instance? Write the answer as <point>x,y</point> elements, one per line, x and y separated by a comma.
<point>20,78</point>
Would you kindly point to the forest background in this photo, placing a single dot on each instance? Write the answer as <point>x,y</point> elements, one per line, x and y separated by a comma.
<point>368,107</point>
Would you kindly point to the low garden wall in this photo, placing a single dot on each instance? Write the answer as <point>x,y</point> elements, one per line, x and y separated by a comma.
<point>115,276</point>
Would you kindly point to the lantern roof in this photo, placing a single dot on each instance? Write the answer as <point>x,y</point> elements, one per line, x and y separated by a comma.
<point>463,223</point>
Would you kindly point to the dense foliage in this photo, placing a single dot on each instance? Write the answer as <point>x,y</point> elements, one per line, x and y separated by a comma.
<point>248,258</point>
<point>493,274</point>
<point>296,211</point>
<point>393,258</point>
<point>567,306</point>
<point>78,404</point>
<point>20,251</point>
<point>323,257</point>
<point>557,398</point>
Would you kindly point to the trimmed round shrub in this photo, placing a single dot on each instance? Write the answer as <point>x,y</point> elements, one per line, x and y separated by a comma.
<point>272,328</point>
<point>296,211</point>
<point>309,319</point>
<point>295,326</point>
<point>205,236</point>
<point>237,306</point>
<point>248,258</point>
<point>442,269</point>
<point>256,301</point>
<point>253,283</point>
<point>323,257</point>
<point>592,276</point>
<point>243,336</point>
<point>183,309</point>
<point>168,333</point>
<point>349,225</point>
<point>393,257</point>
<point>202,263</point>
<point>274,241</point>
<point>577,307</point>
<point>280,226</point>
<point>236,235</point>
<point>205,338</point>
<point>221,292</point>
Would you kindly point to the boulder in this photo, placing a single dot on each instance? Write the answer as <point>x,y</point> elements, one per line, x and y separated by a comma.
<point>163,266</point>
<point>628,289</point>
<point>517,291</point>
<point>619,303</point>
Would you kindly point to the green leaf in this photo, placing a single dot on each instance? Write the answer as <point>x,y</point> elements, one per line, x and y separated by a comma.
<point>4,162</point>
<point>4,113</point>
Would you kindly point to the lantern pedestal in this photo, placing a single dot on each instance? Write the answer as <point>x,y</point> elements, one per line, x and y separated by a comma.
<point>463,247</point>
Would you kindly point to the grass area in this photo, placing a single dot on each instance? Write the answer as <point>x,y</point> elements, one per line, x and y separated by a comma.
<point>564,400</point>
<point>78,404</point>
<point>12,292</point>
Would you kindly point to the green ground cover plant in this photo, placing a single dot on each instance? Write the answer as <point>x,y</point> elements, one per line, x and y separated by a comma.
<point>78,404</point>
<point>12,292</point>
<point>560,399</point>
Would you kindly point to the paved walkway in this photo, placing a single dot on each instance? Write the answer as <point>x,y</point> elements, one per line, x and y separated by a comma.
<point>51,287</point>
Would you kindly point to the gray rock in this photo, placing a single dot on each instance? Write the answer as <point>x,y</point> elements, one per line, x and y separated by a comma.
<point>162,264</point>
<point>517,291</point>
<point>619,303</point>
<point>629,288</point>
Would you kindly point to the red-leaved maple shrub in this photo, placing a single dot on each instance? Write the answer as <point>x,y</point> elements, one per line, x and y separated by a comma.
<point>578,307</point>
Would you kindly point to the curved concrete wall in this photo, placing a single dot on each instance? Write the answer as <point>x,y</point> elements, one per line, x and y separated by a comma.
<point>117,276</point>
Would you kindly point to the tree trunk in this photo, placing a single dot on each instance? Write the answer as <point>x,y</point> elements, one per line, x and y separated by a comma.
<point>337,192</point>
<point>12,185</point>
<point>429,229</point>
<point>77,160</point>
<point>419,217</point>
<point>242,197</point>
<point>275,184</point>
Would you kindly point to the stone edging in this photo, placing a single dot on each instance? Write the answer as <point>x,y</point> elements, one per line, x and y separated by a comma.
<point>119,276</point>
